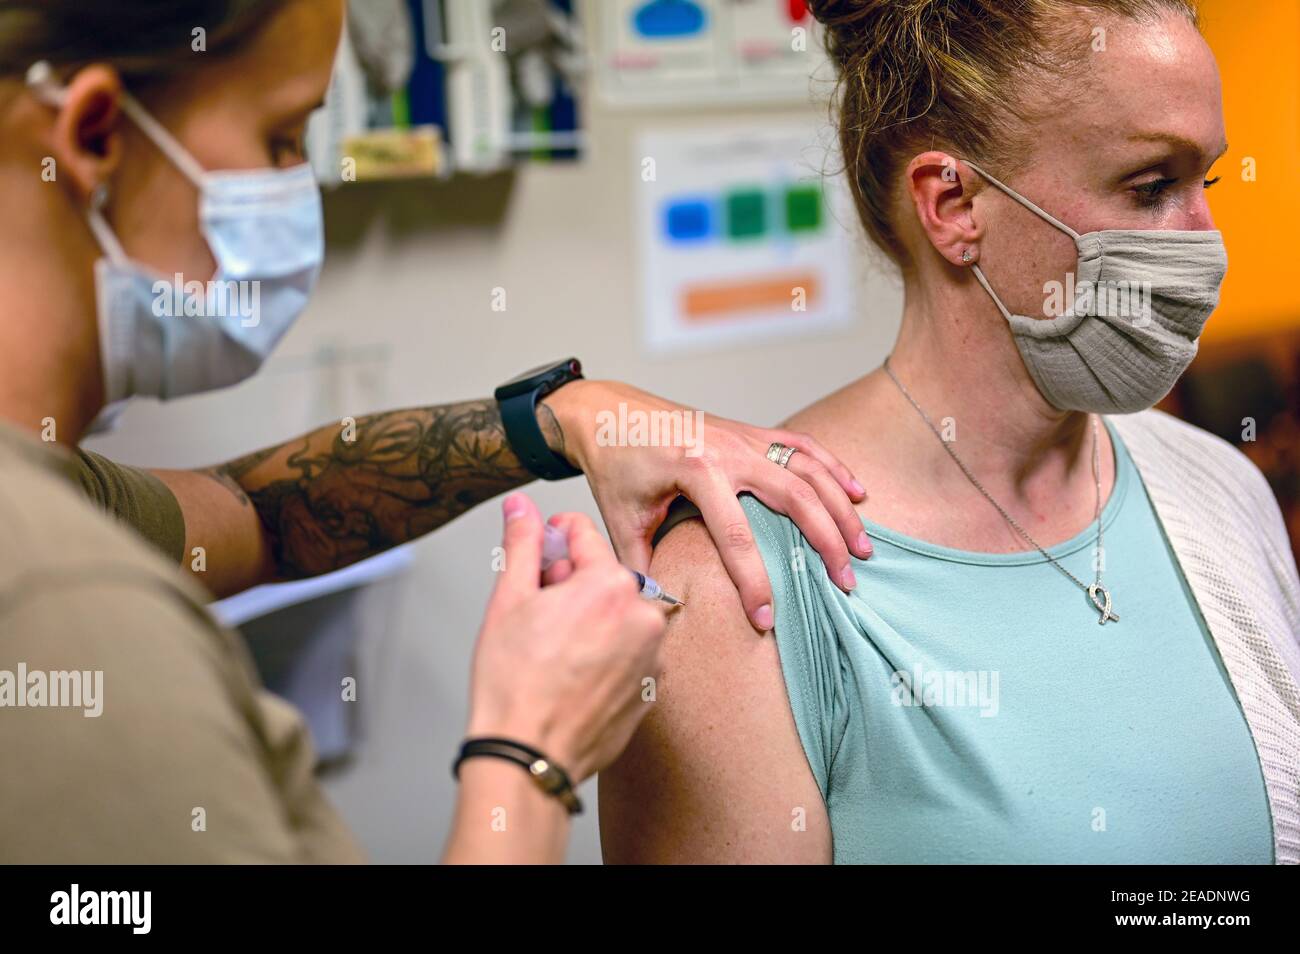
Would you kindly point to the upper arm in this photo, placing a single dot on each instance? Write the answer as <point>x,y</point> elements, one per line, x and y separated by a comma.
<point>135,497</point>
<point>200,519</point>
<point>716,772</point>
<point>226,548</point>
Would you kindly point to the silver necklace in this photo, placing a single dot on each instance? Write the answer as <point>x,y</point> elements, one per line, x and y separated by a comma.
<point>1099,595</point>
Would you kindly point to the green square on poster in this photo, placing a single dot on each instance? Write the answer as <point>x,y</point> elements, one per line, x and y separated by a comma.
<point>803,209</point>
<point>746,214</point>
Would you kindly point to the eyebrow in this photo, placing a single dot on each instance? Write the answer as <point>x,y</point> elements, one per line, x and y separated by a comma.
<point>1180,142</point>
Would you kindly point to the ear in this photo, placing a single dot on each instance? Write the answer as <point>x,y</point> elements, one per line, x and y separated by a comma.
<point>86,139</point>
<point>943,190</point>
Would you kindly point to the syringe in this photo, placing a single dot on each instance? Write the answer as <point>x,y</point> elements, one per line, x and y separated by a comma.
<point>555,547</point>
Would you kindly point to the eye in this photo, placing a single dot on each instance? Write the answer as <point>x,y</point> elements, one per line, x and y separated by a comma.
<point>1152,193</point>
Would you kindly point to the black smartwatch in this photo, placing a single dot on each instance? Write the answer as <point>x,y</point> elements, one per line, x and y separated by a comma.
<point>517,400</point>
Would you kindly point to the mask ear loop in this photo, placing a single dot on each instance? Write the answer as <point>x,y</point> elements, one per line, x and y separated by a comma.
<point>164,140</point>
<point>979,272</point>
<point>979,276</point>
<point>100,228</point>
<point>45,85</point>
<point>1025,202</point>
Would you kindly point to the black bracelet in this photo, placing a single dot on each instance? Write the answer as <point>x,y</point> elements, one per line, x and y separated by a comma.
<point>546,775</point>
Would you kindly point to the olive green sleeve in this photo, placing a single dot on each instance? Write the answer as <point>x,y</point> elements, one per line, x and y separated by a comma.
<point>135,497</point>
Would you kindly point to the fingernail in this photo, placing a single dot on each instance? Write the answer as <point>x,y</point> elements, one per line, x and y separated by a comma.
<point>513,507</point>
<point>857,488</point>
<point>763,617</point>
<point>848,579</point>
<point>864,544</point>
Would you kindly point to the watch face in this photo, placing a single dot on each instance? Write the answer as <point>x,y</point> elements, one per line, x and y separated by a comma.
<point>547,375</point>
<point>532,373</point>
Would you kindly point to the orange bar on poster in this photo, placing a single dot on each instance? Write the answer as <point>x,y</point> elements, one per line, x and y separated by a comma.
<point>713,301</point>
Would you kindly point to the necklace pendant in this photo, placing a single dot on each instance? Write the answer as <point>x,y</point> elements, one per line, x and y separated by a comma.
<point>1100,597</point>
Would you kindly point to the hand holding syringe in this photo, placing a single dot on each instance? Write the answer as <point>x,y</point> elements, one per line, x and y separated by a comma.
<point>555,547</point>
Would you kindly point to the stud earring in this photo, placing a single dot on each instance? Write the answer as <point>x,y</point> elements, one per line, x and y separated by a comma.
<point>966,256</point>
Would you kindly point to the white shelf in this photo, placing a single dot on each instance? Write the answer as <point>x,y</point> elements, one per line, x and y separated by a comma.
<point>264,600</point>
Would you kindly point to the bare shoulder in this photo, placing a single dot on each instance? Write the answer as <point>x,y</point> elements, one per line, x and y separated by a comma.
<point>825,418</point>
<point>836,422</point>
<point>716,773</point>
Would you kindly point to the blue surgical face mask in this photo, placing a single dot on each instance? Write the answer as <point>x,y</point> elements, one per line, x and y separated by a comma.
<point>164,337</point>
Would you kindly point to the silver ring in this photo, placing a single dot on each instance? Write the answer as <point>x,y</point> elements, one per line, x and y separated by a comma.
<point>780,454</point>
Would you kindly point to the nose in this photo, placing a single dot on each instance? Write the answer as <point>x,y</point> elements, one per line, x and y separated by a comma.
<point>1199,217</point>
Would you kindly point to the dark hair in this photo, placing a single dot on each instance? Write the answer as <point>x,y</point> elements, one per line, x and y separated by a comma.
<point>144,39</point>
<point>921,74</point>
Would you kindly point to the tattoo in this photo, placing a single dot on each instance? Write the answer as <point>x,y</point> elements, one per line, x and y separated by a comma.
<point>338,496</point>
<point>230,474</point>
<point>227,480</point>
<point>241,467</point>
<point>550,426</point>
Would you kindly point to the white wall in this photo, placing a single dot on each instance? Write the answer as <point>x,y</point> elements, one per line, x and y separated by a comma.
<point>407,291</point>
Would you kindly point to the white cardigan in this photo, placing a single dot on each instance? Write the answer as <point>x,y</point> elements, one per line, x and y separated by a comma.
<point>1226,530</point>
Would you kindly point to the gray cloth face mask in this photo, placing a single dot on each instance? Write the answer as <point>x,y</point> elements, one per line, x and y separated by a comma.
<point>1130,324</point>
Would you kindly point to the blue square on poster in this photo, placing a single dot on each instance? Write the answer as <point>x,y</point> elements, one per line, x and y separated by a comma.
<point>669,19</point>
<point>689,220</point>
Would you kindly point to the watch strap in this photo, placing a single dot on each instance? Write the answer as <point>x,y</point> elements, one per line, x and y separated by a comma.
<point>519,417</point>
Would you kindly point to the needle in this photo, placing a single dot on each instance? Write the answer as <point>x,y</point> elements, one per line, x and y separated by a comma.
<point>555,547</point>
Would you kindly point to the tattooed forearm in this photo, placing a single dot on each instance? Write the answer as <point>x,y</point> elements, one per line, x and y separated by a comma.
<point>341,493</point>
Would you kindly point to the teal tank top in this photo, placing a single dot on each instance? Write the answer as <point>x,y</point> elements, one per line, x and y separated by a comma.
<point>963,707</point>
